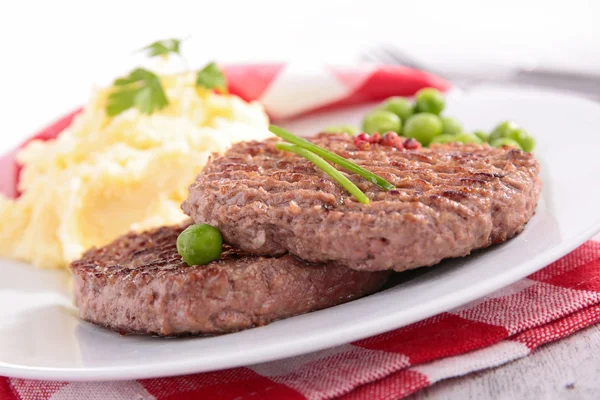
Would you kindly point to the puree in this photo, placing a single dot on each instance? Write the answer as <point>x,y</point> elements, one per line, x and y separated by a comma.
<point>105,176</point>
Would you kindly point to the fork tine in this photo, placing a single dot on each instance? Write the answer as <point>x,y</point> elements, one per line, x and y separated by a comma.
<point>399,57</point>
<point>390,55</point>
<point>375,55</point>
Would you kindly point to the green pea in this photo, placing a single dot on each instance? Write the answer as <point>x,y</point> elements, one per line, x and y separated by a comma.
<point>199,244</point>
<point>505,142</point>
<point>445,138</point>
<point>349,129</point>
<point>400,106</point>
<point>450,126</point>
<point>527,143</point>
<point>381,121</point>
<point>484,137</point>
<point>423,127</point>
<point>460,138</point>
<point>503,130</point>
<point>429,100</point>
<point>520,136</point>
<point>468,138</point>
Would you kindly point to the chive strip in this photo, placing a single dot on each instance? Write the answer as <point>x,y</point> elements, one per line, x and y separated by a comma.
<point>329,156</point>
<point>327,168</point>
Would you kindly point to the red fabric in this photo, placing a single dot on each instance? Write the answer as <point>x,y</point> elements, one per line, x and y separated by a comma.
<point>391,387</point>
<point>563,327</point>
<point>430,339</point>
<point>390,80</point>
<point>384,82</point>
<point>228,384</point>
<point>250,81</point>
<point>28,389</point>
<point>574,277</point>
<point>6,392</point>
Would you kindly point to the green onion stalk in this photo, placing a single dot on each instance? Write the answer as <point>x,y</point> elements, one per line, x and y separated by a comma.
<point>327,168</point>
<point>329,156</point>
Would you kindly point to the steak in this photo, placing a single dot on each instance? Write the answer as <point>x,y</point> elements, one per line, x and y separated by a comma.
<point>138,284</point>
<point>449,200</point>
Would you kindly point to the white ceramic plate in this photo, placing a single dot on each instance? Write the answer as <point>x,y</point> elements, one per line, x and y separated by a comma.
<point>42,338</point>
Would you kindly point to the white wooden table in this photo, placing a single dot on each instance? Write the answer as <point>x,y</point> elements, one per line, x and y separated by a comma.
<point>567,369</point>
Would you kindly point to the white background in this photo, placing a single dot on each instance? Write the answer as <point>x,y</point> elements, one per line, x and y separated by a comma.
<point>52,52</point>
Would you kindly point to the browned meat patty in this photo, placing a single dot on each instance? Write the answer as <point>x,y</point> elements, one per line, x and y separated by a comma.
<point>449,200</point>
<point>138,284</point>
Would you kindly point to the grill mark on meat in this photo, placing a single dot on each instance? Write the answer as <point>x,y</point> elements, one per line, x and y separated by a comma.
<point>488,175</point>
<point>472,181</point>
<point>455,195</point>
<point>139,284</point>
<point>451,189</point>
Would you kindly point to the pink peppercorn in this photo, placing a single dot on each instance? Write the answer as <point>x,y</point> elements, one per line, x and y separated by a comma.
<point>411,144</point>
<point>398,143</point>
<point>362,141</point>
<point>389,139</point>
<point>362,144</point>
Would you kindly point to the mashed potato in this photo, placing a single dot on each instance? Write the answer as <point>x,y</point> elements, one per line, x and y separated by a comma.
<point>105,176</point>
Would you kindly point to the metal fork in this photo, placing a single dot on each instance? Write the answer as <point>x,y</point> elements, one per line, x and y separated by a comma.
<point>587,85</point>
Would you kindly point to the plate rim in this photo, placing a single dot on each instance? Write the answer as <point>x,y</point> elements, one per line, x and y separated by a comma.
<point>326,339</point>
<point>382,325</point>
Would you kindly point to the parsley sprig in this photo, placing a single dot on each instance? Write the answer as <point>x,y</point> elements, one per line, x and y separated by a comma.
<point>211,77</point>
<point>163,47</point>
<point>143,89</point>
<point>140,89</point>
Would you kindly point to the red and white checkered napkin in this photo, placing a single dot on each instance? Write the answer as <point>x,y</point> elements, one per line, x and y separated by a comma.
<point>510,323</point>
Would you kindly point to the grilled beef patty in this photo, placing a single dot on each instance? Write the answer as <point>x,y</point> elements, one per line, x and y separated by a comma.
<point>449,199</point>
<point>138,284</point>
